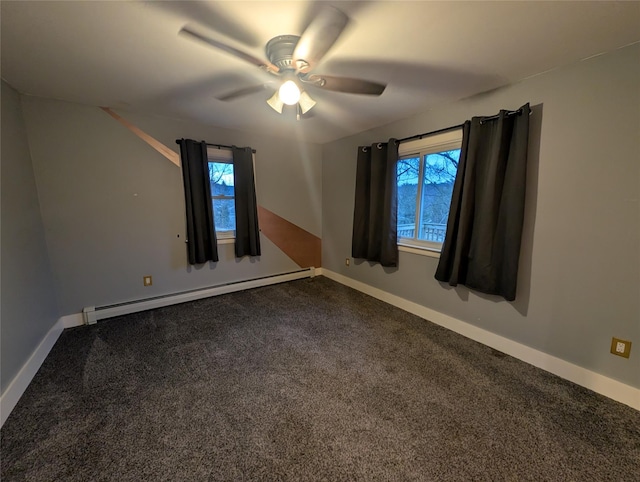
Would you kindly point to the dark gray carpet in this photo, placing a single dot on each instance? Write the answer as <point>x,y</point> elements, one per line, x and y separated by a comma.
<point>307,380</point>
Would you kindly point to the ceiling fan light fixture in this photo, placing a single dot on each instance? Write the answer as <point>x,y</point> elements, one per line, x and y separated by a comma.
<point>292,59</point>
<point>276,103</point>
<point>306,102</point>
<point>289,92</point>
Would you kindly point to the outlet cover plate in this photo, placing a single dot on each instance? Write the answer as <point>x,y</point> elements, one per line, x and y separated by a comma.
<point>620,347</point>
<point>147,280</point>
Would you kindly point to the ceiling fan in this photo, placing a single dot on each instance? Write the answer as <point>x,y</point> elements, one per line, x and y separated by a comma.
<point>292,58</point>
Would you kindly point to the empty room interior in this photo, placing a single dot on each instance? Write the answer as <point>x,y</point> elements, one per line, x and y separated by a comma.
<point>264,240</point>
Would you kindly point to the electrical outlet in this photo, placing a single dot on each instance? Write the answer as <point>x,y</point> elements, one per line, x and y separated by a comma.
<point>147,281</point>
<point>347,262</point>
<point>620,347</point>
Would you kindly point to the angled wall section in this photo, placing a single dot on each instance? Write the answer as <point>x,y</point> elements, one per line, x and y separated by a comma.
<point>298,244</point>
<point>29,308</point>
<point>113,206</point>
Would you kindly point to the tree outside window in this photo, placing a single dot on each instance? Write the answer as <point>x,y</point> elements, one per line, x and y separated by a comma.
<point>425,183</point>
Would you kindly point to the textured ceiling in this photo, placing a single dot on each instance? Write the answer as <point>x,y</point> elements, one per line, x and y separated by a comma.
<point>128,55</point>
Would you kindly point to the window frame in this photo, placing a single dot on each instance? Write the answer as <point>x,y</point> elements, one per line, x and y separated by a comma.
<point>421,148</point>
<point>222,156</point>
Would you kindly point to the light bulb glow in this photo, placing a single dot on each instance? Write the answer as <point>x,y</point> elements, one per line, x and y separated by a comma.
<point>289,92</point>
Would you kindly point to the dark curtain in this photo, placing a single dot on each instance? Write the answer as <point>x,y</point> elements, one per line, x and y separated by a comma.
<point>482,245</point>
<point>201,232</point>
<point>247,229</point>
<point>375,236</point>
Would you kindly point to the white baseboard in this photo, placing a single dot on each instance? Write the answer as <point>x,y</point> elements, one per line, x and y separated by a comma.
<point>21,381</point>
<point>71,321</point>
<point>593,381</point>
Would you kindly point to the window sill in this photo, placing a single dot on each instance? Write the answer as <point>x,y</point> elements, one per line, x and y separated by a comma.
<point>226,240</point>
<point>431,253</point>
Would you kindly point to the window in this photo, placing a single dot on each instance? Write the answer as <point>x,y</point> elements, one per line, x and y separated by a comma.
<point>426,173</point>
<point>222,192</point>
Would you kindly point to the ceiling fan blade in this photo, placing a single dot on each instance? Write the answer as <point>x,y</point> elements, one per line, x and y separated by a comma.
<point>264,64</point>
<point>318,38</point>
<point>211,15</point>
<point>242,92</point>
<point>346,84</point>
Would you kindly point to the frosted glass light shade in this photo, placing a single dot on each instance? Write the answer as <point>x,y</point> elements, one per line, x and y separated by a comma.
<point>276,103</point>
<point>306,102</point>
<point>289,92</point>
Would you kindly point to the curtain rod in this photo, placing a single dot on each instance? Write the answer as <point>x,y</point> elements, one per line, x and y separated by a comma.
<point>222,146</point>
<point>509,112</point>
<point>452,128</point>
<point>420,136</point>
<point>219,146</point>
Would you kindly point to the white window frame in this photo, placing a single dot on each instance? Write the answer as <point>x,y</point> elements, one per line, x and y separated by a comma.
<point>222,156</point>
<point>446,141</point>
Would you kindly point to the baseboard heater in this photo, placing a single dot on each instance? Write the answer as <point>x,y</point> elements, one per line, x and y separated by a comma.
<point>92,314</point>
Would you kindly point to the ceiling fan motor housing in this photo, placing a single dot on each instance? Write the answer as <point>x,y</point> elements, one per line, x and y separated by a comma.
<point>280,49</point>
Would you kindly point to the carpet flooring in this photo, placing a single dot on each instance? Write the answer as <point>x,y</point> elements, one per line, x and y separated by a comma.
<point>304,381</point>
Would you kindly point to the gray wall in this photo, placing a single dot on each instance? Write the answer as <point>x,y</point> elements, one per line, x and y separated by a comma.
<point>579,281</point>
<point>28,307</point>
<point>113,207</point>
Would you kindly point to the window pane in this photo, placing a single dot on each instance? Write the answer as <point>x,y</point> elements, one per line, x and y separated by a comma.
<point>408,177</point>
<point>221,177</point>
<point>224,214</point>
<point>224,211</point>
<point>439,175</point>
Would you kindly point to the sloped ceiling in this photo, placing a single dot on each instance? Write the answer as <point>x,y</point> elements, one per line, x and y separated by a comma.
<point>128,55</point>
